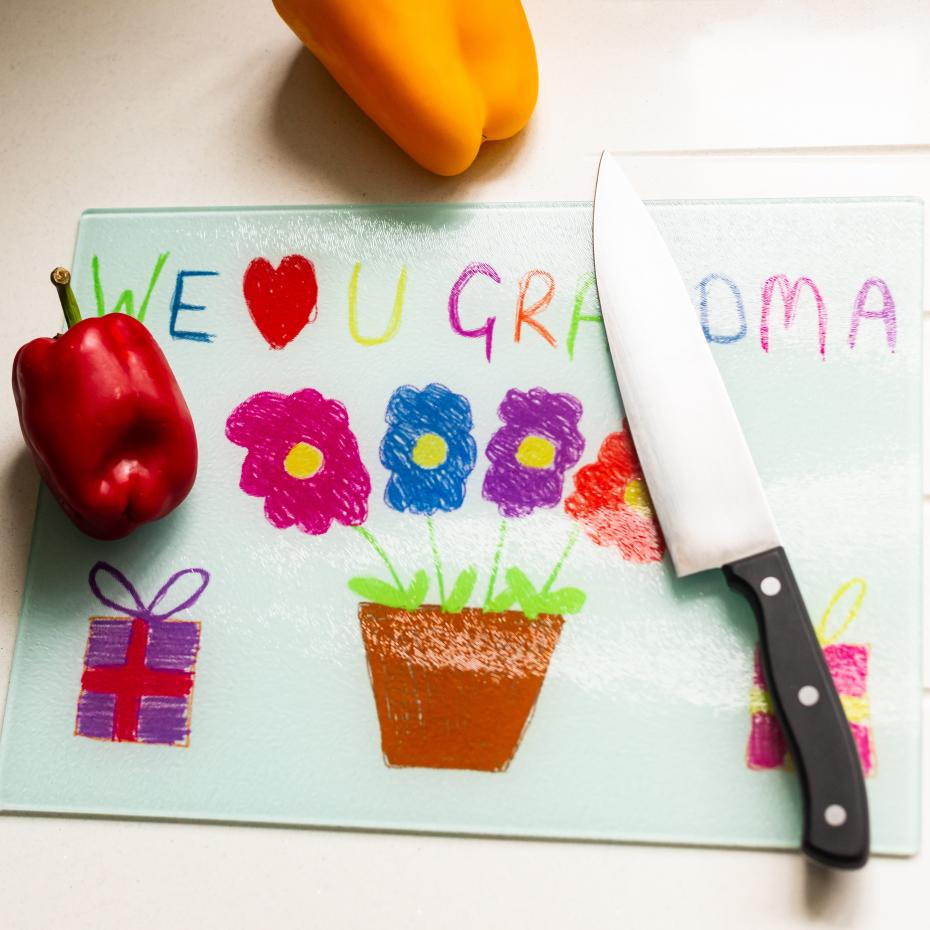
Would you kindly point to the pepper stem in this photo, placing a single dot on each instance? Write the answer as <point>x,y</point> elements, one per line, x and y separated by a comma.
<point>61,278</point>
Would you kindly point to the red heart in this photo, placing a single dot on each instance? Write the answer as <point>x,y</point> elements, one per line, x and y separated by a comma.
<point>282,300</point>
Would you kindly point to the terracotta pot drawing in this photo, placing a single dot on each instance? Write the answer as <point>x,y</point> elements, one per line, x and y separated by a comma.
<point>455,690</point>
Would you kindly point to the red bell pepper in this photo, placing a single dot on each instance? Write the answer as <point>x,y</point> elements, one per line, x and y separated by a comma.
<point>105,420</point>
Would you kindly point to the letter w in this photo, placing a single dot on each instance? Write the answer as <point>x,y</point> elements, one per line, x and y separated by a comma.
<point>126,301</point>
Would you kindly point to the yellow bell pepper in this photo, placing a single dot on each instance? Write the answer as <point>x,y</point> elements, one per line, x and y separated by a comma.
<point>438,76</point>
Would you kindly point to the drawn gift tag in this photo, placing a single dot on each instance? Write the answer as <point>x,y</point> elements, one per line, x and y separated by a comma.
<point>849,666</point>
<point>138,676</point>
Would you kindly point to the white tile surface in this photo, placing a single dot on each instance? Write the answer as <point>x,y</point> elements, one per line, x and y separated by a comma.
<point>132,103</point>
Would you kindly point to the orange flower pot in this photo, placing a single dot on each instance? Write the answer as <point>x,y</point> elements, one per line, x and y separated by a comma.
<point>455,691</point>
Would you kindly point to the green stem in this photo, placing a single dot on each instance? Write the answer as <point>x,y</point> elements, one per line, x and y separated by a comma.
<point>436,563</point>
<point>369,537</point>
<point>572,539</point>
<point>61,278</point>
<point>495,567</point>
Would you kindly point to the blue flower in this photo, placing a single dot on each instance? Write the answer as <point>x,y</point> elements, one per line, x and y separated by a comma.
<point>428,448</point>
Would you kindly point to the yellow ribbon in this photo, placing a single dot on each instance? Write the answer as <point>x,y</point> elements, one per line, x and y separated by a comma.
<point>856,708</point>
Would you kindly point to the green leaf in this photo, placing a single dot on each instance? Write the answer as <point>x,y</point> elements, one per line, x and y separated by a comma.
<point>533,602</point>
<point>563,601</point>
<point>524,592</point>
<point>378,591</point>
<point>504,601</point>
<point>416,591</point>
<point>461,590</point>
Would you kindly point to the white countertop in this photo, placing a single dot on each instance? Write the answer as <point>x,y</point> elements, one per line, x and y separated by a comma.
<point>108,103</point>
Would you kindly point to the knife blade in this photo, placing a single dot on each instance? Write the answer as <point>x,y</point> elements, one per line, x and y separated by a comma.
<point>710,502</point>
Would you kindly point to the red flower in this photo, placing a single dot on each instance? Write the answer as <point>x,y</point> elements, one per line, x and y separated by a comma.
<point>613,504</point>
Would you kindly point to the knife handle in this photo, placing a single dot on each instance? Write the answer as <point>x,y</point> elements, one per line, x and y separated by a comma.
<point>836,813</point>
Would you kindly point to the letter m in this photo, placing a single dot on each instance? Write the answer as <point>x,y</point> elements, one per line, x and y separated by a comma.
<point>789,295</point>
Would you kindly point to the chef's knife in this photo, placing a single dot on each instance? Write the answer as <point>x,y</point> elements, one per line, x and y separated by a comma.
<point>711,505</point>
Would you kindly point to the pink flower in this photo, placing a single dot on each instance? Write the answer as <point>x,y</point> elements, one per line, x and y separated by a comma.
<point>302,458</point>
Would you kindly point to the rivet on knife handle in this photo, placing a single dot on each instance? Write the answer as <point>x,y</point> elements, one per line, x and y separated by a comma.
<point>836,814</point>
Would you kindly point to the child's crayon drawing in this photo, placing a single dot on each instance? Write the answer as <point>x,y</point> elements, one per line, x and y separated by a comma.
<point>848,664</point>
<point>138,679</point>
<point>437,596</point>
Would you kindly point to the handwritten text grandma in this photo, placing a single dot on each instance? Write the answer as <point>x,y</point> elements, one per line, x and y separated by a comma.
<point>485,307</point>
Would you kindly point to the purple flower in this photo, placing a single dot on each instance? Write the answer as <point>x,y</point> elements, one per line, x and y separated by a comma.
<point>303,459</point>
<point>531,452</point>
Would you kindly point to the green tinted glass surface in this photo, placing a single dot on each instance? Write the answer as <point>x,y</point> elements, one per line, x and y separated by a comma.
<point>641,725</point>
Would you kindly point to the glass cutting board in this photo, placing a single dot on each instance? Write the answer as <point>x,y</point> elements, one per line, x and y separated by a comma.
<point>431,593</point>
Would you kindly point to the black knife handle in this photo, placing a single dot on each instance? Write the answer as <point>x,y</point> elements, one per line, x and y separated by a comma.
<point>836,812</point>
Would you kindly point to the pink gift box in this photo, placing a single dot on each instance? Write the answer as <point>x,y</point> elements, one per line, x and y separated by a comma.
<point>849,666</point>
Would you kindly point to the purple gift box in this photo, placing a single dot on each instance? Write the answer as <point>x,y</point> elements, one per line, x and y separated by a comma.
<point>139,669</point>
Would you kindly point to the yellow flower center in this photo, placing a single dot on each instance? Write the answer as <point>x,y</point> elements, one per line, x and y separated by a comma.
<point>636,497</point>
<point>303,461</point>
<point>430,451</point>
<point>536,452</point>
